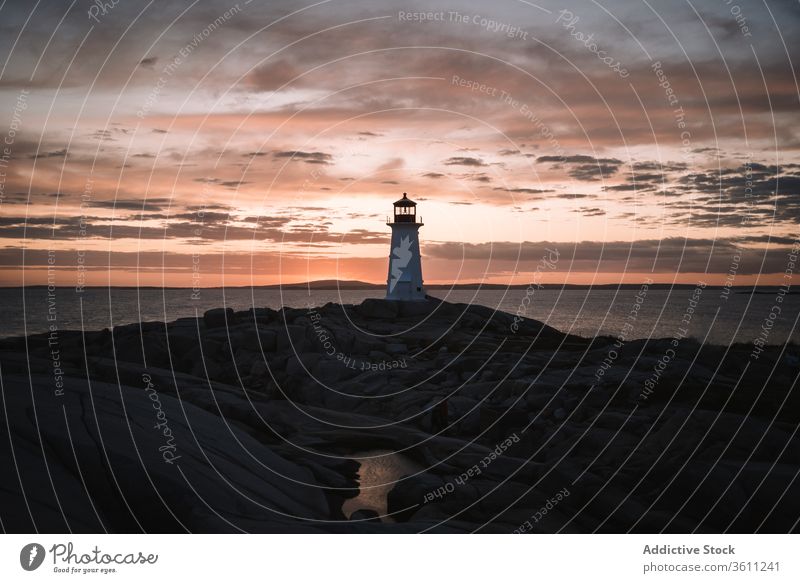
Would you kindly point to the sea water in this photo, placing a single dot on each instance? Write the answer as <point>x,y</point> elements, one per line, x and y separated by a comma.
<point>717,318</point>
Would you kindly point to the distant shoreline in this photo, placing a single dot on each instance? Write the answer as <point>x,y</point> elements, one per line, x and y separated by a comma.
<point>365,286</point>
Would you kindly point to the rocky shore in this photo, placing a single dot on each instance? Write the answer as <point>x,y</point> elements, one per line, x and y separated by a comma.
<point>254,421</point>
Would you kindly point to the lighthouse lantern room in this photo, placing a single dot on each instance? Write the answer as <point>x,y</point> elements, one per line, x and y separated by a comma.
<point>405,267</point>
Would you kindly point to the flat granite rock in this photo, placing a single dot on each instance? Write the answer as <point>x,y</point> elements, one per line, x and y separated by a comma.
<point>94,460</point>
<point>254,421</point>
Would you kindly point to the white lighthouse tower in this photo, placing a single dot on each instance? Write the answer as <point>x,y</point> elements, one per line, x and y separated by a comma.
<point>405,269</point>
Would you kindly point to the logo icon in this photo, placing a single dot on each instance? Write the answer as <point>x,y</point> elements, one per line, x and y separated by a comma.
<point>402,256</point>
<point>31,556</point>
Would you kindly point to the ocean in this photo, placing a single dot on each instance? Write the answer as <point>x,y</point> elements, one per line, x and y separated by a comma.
<point>708,315</point>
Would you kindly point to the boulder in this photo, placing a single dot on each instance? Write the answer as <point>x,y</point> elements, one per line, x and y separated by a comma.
<point>268,339</point>
<point>291,338</point>
<point>259,369</point>
<point>219,318</point>
<point>301,364</point>
<point>331,371</point>
<point>418,308</point>
<point>396,348</point>
<point>409,495</point>
<point>365,515</point>
<point>260,315</point>
<point>380,309</point>
<point>157,452</point>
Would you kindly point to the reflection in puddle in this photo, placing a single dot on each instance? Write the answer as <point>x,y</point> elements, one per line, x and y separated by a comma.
<point>379,471</point>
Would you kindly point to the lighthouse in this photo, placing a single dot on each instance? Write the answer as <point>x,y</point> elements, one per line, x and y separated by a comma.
<point>405,268</point>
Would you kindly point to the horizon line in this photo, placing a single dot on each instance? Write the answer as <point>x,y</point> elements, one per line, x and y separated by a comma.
<point>369,285</point>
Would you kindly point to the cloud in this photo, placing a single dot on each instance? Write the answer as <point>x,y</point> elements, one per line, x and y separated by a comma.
<point>153,204</point>
<point>579,159</point>
<point>625,187</point>
<point>598,122</point>
<point>233,183</point>
<point>524,190</point>
<point>739,183</point>
<point>584,168</point>
<point>657,166</point>
<point>670,255</point>
<point>392,164</point>
<point>53,154</point>
<point>758,193</point>
<point>592,172</point>
<point>589,211</point>
<point>307,157</point>
<point>480,177</point>
<point>202,225</point>
<point>272,75</point>
<point>103,135</point>
<point>464,161</point>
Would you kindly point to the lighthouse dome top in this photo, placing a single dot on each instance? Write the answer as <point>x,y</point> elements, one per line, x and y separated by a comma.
<point>405,201</point>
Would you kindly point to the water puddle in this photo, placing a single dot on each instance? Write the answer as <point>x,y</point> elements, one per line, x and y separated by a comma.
<point>378,474</point>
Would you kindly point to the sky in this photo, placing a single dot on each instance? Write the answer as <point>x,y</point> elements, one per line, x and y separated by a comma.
<point>222,143</point>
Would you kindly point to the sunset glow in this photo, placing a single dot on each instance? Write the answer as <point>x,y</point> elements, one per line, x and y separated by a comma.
<point>255,145</point>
